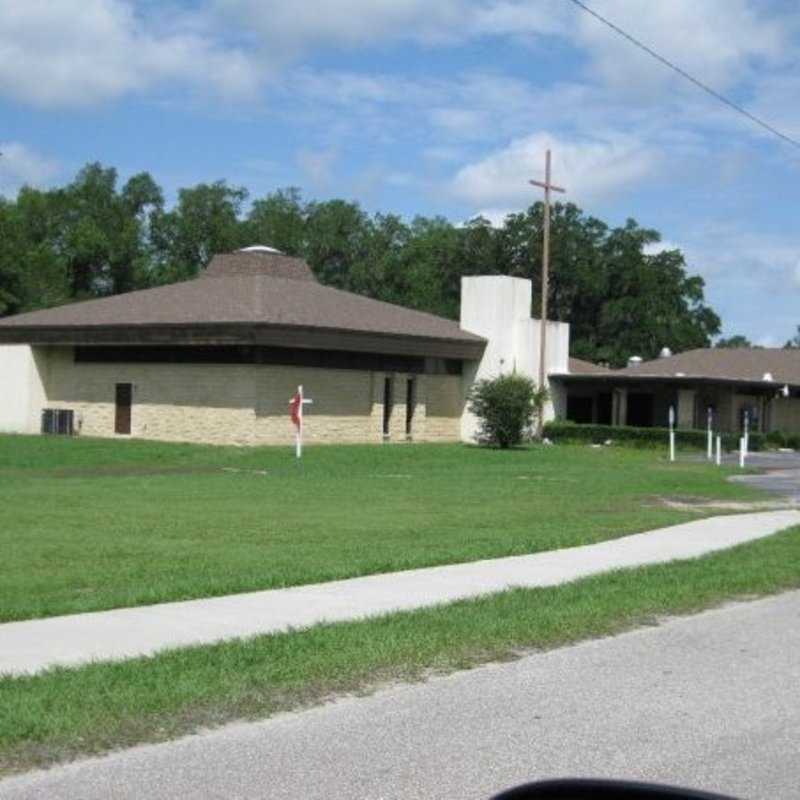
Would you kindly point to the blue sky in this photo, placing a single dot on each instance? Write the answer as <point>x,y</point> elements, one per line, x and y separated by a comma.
<point>444,108</point>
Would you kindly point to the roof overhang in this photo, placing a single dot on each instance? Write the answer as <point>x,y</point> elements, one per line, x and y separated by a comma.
<point>210,334</point>
<point>673,380</point>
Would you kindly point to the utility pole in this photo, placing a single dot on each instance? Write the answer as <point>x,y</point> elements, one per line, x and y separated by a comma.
<point>548,187</point>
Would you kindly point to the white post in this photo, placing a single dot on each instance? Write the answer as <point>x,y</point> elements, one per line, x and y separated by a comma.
<point>671,433</point>
<point>719,451</point>
<point>741,451</point>
<point>298,436</point>
<point>709,432</point>
<point>746,431</point>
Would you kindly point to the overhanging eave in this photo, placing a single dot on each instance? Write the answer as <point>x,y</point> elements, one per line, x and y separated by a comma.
<point>210,334</point>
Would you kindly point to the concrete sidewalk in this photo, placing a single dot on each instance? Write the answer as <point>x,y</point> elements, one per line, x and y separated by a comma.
<point>28,647</point>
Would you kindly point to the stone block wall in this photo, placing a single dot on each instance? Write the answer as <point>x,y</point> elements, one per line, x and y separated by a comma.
<point>249,404</point>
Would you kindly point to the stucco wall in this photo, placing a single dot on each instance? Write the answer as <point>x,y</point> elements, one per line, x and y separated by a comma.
<point>21,389</point>
<point>248,404</point>
<point>498,308</point>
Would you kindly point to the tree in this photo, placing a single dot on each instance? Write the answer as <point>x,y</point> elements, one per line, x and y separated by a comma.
<point>205,221</point>
<point>278,220</point>
<point>90,239</point>
<point>794,342</point>
<point>505,407</point>
<point>336,238</point>
<point>733,341</point>
<point>618,300</point>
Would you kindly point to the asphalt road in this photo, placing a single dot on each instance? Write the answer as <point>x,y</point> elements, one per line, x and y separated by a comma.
<point>711,701</point>
<point>781,473</point>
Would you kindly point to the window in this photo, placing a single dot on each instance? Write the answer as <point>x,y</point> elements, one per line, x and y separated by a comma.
<point>245,354</point>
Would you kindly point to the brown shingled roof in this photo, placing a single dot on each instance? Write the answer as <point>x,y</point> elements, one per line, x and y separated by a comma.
<point>732,365</point>
<point>251,263</point>
<point>247,289</point>
<point>577,366</point>
<point>739,363</point>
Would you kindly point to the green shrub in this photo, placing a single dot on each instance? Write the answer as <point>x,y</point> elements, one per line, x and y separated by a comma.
<point>643,437</point>
<point>776,439</point>
<point>505,407</point>
<point>783,439</point>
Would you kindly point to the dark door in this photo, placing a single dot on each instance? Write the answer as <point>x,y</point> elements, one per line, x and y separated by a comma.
<point>411,402</point>
<point>387,405</point>
<point>640,410</point>
<point>122,410</point>
<point>579,409</point>
<point>604,404</point>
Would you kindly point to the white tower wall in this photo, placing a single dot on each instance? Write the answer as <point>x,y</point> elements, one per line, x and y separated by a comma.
<point>22,393</point>
<point>498,308</point>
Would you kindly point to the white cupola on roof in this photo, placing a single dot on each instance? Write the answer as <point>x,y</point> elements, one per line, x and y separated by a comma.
<point>259,248</point>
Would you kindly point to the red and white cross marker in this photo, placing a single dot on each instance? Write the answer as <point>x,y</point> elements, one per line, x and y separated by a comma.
<point>296,405</point>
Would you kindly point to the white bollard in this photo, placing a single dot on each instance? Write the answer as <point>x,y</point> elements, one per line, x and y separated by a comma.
<point>672,433</point>
<point>719,451</point>
<point>741,452</point>
<point>746,432</point>
<point>709,426</point>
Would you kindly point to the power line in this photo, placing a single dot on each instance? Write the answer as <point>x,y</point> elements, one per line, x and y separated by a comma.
<point>684,74</point>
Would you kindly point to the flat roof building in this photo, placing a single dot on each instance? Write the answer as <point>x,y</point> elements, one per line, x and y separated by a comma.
<point>762,382</point>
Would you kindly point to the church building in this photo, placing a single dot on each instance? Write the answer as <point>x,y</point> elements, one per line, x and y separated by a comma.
<point>217,358</point>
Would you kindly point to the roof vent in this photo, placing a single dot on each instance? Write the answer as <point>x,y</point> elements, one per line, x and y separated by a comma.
<point>768,377</point>
<point>259,248</point>
<point>634,361</point>
<point>665,352</point>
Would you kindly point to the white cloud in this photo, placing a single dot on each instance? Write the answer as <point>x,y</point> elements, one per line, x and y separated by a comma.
<point>751,277</point>
<point>368,23</point>
<point>587,168</point>
<point>664,246</point>
<point>61,53</point>
<point>495,216</point>
<point>721,41</point>
<point>284,26</point>
<point>20,166</point>
<point>521,18</point>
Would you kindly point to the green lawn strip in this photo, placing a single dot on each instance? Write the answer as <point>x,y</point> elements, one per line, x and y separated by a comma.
<point>97,524</point>
<point>65,713</point>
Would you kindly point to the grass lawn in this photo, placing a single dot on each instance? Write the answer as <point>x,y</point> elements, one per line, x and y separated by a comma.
<point>95,524</point>
<point>68,712</point>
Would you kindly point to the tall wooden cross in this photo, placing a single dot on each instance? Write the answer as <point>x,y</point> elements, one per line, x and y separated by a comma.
<point>548,187</point>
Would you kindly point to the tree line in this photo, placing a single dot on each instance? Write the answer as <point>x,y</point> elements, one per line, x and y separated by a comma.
<point>94,237</point>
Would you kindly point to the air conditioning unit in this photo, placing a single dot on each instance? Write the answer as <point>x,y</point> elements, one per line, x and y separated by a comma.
<point>59,421</point>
